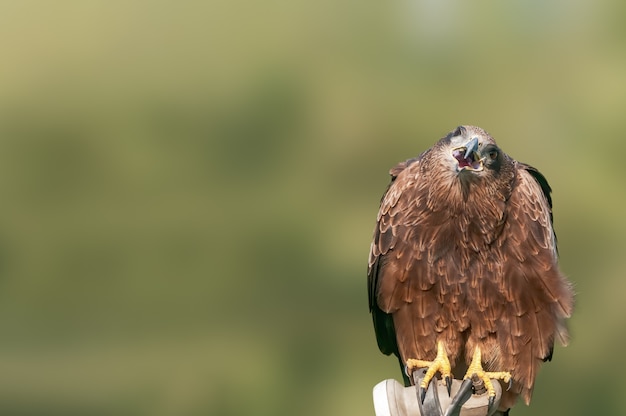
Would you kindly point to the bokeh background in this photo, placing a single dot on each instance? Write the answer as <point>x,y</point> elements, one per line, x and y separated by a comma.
<point>188,191</point>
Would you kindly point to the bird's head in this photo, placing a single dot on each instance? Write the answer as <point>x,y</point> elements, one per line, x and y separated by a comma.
<point>471,150</point>
<point>466,169</point>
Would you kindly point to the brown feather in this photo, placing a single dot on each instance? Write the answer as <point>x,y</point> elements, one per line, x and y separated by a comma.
<point>469,258</point>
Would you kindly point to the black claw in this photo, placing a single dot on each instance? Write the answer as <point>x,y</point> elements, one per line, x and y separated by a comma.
<point>449,385</point>
<point>492,400</point>
<point>464,393</point>
<point>510,384</point>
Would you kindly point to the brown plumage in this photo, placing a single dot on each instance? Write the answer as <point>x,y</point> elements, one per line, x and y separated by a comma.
<point>464,252</point>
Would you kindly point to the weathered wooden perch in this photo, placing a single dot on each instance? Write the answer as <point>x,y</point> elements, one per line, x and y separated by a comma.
<point>393,399</point>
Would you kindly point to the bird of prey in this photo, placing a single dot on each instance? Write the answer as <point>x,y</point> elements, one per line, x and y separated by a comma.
<point>462,275</point>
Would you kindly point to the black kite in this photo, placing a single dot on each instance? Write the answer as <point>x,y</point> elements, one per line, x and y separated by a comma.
<point>463,267</point>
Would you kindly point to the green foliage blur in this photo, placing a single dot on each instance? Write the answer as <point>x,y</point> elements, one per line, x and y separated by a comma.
<point>188,191</point>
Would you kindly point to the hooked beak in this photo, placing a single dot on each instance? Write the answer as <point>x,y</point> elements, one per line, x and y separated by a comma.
<point>467,156</point>
<point>472,147</point>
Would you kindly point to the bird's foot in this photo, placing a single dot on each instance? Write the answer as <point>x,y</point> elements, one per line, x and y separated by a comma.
<point>479,376</point>
<point>440,364</point>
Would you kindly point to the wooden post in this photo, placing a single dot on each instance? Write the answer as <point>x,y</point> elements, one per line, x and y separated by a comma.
<point>393,399</point>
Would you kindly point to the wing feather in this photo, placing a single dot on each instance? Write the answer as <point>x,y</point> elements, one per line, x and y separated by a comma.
<point>538,296</point>
<point>386,234</point>
<point>403,254</point>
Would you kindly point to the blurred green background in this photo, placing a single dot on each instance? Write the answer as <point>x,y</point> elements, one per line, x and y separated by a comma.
<point>188,191</point>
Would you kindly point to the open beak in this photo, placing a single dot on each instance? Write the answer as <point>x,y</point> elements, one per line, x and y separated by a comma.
<point>467,156</point>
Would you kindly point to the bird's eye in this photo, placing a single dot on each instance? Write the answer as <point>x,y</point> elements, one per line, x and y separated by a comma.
<point>493,155</point>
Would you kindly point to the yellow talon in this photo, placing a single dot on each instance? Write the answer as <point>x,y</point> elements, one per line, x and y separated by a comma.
<point>476,367</point>
<point>440,363</point>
